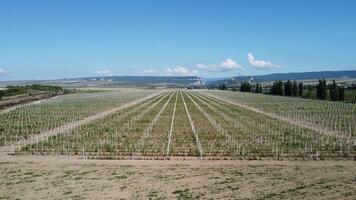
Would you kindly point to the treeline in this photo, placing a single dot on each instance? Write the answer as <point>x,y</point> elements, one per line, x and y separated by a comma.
<point>245,87</point>
<point>336,92</point>
<point>17,90</point>
<point>322,90</point>
<point>288,88</point>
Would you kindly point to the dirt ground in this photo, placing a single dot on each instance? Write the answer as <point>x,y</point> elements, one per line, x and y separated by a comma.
<point>45,177</point>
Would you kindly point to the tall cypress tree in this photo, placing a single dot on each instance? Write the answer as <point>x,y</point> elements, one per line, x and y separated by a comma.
<point>334,91</point>
<point>300,89</point>
<point>280,89</point>
<point>274,88</point>
<point>245,87</point>
<point>288,88</point>
<point>321,90</point>
<point>342,93</point>
<point>295,88</point>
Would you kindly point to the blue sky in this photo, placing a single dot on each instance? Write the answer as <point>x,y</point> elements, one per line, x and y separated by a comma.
<point>55,39</point>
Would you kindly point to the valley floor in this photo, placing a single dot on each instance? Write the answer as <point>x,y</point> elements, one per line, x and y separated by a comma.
<point>66,177</point>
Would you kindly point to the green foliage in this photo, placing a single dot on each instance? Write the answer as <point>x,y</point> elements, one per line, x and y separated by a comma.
<point>16,90</point>
<point>246,87</point>
<point>222,87</point>
<point>295,92</point>
<point>300,89</point>
<point>321,90</point>
<point>258,88</point>
<point>341,93</point>
<point>288,88</point>
<point>334,91</point>
<point>277,88</point>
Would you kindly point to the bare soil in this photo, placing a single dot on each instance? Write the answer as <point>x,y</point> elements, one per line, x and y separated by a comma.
<point>65,177</point>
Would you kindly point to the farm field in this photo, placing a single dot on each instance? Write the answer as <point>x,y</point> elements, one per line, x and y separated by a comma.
<point>178,144</point>
<point>197,124</point>
<point>22,122</point>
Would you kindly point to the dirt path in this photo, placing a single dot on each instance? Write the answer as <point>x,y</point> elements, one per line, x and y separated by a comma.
<point>284,119</point>
<point>197,140</point>
<point>66,177</point>
<point>63,128</point>
<point>171,129</point>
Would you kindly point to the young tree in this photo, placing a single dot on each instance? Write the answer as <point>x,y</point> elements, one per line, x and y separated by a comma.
<point>321,90</point>
<point>288,88</point>
<point>300,89</point>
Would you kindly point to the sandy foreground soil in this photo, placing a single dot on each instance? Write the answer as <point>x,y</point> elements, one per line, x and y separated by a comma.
<point>45,177</point>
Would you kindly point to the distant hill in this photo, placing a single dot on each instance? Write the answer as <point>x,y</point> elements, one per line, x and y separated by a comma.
<point>119,81</point>
<point>288,76</point>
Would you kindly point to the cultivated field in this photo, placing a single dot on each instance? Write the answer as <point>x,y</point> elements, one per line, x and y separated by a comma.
<point>187,136</point>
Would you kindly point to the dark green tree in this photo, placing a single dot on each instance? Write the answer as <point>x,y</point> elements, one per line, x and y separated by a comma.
<point>288,88</point>
<point>222,87</point>
<point>258,88</point>
<point>334,91</point>
<point>1,94</point>
<point>300,89</point>
<point>277,88</point>
<point>342,93</point>
<point>246,87</point>
<point>321,90</point>
<point>295,89</point>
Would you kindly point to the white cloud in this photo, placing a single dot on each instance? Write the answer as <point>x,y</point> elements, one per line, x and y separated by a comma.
<point>180,71</point>
<point>261,64</point>
<point>104,73</point>
<point>2,72</point>
<point>226,65</point>
<point>229,65</point>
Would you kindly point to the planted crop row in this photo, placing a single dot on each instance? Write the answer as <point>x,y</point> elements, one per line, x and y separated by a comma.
<point>26,121</point>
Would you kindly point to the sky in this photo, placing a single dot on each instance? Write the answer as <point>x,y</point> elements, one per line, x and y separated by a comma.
<point>52,39</point>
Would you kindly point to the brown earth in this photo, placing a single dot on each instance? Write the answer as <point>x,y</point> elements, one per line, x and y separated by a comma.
<point>65,177</point>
